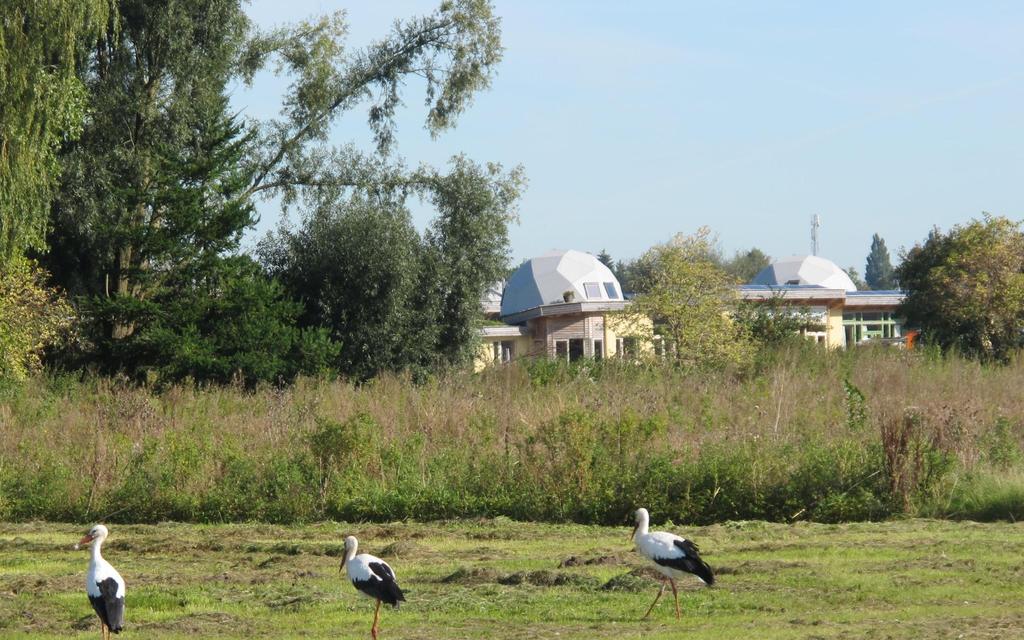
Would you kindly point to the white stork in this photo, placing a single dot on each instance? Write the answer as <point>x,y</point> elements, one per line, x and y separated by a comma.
<point>373,577</point>
<point>672,556</point>
<point>103,584</point>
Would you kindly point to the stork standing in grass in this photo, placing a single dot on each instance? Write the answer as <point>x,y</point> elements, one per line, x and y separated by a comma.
<point>672,556</point>
<point>103,584</point>
<point>372,576</point>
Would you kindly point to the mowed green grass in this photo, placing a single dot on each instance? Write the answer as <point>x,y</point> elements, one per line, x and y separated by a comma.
<point>904,579</point>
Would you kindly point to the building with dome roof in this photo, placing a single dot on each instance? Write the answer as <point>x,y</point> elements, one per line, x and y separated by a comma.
<point>847,316</point>
<point>805,270</point>
<point>562,305</point>
<point>557,305</point>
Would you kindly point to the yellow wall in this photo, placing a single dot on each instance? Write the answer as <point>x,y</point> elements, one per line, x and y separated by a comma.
<point>620,326</point>
<point>485,351</point>
<point>836,335</point>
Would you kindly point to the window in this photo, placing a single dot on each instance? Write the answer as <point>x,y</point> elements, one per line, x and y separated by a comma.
<point>507,350</point>
<point>575,349</point>
<point>609,288</point>
<point>593,290</point>
<point>562,349</point>
<point>598,349</point>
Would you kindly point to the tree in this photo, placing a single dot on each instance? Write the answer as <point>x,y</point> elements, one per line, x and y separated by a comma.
<point>878,272</point>
<point>233,325</point>
<point>745,265</point>
<point>162,183</point>
<point>965,288</point>
<point>855,277</point>
<point>467,246</point>
<point>772,322</point>
<point>606,259</point>
<point>357,269</point>
<point>396,300</point>
<point>689,298</point>
<point>32,316</point>
<point>42,102</point>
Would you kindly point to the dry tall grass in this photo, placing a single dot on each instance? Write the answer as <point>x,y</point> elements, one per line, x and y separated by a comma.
<point>74,449</point>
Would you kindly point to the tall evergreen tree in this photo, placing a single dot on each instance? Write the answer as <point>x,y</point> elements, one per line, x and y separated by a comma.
<point>879,272</point>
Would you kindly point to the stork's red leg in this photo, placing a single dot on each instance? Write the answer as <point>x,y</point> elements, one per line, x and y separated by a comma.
<point>660,591</point>
<point>376,619</point>
<point>675,594</point>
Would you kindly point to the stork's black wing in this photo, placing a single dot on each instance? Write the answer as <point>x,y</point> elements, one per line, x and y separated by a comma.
<point>388,590</point>
<point>108,606</point>
<point>688,560</point>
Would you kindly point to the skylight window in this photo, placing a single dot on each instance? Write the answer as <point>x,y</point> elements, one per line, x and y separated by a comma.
<point>609,288</point>
<point>593,290</point>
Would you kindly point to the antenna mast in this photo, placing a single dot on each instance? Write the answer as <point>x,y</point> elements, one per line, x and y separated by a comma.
<point>815,224</point>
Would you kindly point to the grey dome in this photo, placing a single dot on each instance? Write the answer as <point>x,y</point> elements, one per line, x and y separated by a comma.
<point>805,270</point>
<point>544,280</point>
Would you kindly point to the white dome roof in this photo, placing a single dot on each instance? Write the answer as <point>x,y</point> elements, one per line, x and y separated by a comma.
<point>808,270</point>
<point>544,280</point>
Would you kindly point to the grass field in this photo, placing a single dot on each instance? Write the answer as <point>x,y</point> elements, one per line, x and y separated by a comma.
<point>504,579</point>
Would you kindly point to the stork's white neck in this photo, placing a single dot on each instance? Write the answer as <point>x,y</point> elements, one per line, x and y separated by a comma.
<point>94,550</point>
<point>350,551</point>
<point>642,522</point>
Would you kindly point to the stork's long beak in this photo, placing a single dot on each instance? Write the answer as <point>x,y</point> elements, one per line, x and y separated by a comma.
<point>634,532</point>
<point>341,567</point>
<point>86,539</point>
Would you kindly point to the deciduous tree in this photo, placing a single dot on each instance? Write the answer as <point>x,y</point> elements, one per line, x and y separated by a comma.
<point>747,264</point>
<point>689,298</point>
<point>965,288</point>
<point>42,102</point>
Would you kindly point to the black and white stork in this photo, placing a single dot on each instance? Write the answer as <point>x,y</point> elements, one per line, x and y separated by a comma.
<point>373,577</point>
<point>672,556</point>
<point>103,584</point>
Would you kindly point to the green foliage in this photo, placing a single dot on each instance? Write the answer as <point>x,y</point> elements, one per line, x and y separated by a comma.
<point>1002,446</point>
<point>42,103</point>
<point>771,322</point>
<point>965,288</point>
<point>32,316</point>
<point>148,210</point>
<point>689,298</point>
<point>745,265</point>
<point>878,271</point>
<point>855,277</point>
<point>396,300</point>
<point>856,407</point>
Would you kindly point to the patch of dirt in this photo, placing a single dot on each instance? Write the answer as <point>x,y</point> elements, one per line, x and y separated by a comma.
<point>541,578</point>
<point>576,561</point>
<point>546,578</point>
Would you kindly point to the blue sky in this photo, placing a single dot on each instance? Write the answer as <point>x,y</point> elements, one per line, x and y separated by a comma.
<point>635,121</point>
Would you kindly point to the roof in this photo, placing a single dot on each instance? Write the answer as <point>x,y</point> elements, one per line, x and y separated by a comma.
<point>886,298</point>
<point>509,331</point>
<point>490,301</point>
<point>565,308</point>
<point>805,270</point>
<point>546,279</point>
<point>790,292</point>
